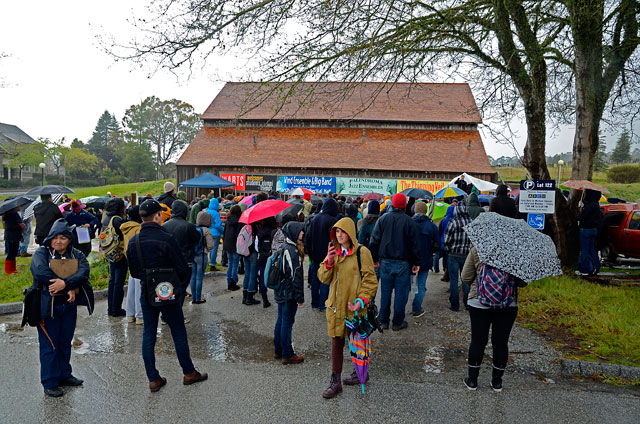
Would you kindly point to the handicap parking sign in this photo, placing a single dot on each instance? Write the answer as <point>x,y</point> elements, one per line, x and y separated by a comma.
<point>536,220</point>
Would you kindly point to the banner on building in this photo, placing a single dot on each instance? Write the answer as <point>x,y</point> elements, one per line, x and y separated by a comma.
<point>431,186</point>
<point>315,184</point>
<point>237,179</point>
<point>261,182</point>
<point>360,186</point>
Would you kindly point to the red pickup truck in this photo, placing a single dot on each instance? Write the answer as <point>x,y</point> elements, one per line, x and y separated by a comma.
<point>620,234</point>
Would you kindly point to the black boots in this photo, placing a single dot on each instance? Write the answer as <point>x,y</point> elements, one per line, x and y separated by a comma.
<point>472,380</point>
<point>265,301</point>
<point>247,298</point>
<point>496,379</point>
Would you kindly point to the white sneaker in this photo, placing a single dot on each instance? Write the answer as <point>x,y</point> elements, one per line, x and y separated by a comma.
<point>131,320</point>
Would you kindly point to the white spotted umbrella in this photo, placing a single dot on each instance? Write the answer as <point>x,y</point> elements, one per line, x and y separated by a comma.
<point>514,247</point>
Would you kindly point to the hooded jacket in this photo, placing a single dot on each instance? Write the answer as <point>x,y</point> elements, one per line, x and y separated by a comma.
<point>456,240</point>
<point>292,287</point>
<point>366,224</point>
<point>185,232</point>
<point>42,273</point>
<point>442,227</point>
<point>502,203</point>
<point>427,237</point>
<point>231,230</point>
<point>203,222</point>
<point>395,236</point>
<point>351,211</point>
<point>347,282</point>
<point>45,214</point>
<point>591,215</point>
<point>167,199</point>
<point>473,205</point>
<point>318,237</point>
<point>216,223</point>
<point>195,210</point>
<point>12,230</point>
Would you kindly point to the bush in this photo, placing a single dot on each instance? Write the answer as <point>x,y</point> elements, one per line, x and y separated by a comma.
<point>625,174</point>
<point>83,183</point>
<point>54,179</point>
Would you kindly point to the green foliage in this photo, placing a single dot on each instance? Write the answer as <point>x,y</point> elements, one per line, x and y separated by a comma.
<point>622,151</point>
<point>136,161</point>
<point>55,152</point>
<point>625,174</point>
<point>82,164</point>
<point>26,154</point>
<point>105,139</point>
<point>600,158</point>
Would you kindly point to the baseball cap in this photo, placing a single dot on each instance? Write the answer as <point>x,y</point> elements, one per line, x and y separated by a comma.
<point>150,207</point>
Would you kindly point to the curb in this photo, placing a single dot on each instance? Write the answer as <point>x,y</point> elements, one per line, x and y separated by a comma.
<point>572,368</point>
<point>16,307</point>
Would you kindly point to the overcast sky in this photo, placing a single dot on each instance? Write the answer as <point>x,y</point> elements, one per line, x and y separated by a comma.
<point>58,81</point>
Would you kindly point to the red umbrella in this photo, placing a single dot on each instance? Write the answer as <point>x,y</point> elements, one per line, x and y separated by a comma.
<point>263,210</point>
<point>372,196</point>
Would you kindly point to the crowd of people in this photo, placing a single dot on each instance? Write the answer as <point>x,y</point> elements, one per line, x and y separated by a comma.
<point>355,247</point>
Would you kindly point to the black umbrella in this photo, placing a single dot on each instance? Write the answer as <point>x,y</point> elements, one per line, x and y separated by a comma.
<point>98,203</point>
<point>316,199</point>
<point>289,214</point>
<point>14,202</point>
<point>417,193</point>
<point>295,201</point>
<point>49,189</point>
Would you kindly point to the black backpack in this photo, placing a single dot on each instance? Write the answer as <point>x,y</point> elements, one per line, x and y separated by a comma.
<point>372,311</point>
<point>31,306</point>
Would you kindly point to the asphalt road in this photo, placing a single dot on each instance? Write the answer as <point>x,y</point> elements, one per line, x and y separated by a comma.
<point>416,374</point>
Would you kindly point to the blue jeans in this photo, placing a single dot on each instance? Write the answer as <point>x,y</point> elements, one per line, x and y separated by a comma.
<point>11,249</point>
<point>436,261</point>
<point>213,254</point>
<point>232,270</point>
<point>588,261</point>
<point>395,274</point>
<point>55,363</point>
<point>455,266</point>
<point>319,291</point>
<point>197,274</point>
<point>115,292</point>
<point>250,273</point>
<point>284,325</point>
<point>174,317</point>
<point>421,282</point>
<point>26,236</point>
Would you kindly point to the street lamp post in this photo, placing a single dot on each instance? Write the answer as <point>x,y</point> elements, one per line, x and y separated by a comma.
<point>560,163</point>
<point>42,166</point>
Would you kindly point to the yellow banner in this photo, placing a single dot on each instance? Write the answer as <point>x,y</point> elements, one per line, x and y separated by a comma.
<point>431,186</point>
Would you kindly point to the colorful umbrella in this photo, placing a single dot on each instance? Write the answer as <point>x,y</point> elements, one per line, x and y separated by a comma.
<point>372,196</point>
<point>449,192</point>
<point>359,345</point>
<point>299,191</point>
<point>64,205</point>
<point>88,199</point>
<point>262,210</point>
<point>248,200</point>
<point>584,185</point>
<point>439,210</point>
<point>514,193</point>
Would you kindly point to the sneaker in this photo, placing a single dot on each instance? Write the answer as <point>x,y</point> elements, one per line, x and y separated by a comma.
<point>163,322</point>
<point>139,321</point>
<point>187,320</point>
<point>131,320</point>
<point>419,313</point>
<point>400,327</point>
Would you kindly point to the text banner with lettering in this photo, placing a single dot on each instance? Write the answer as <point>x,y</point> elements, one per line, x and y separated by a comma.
<point>237,179</point>
<point>315,184</point>
<point>432,186</point>
<point>261,182</point>
<point>360,186</point>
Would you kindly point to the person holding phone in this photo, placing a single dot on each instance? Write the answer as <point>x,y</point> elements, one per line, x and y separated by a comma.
<point>352,285</point>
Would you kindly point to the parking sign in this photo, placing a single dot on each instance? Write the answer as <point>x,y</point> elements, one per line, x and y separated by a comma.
<point>537,196</point>
<point>536,220</point>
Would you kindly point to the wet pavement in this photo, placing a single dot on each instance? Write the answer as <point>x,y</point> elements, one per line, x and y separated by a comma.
<point>416,374</point>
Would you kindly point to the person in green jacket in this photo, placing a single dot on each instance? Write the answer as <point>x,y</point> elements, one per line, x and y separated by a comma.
<point>200,206</point>
<point>473,204</point>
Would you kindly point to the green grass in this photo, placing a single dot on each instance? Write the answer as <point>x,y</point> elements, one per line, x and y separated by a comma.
<point>11,286</point>
<point>585,320</point>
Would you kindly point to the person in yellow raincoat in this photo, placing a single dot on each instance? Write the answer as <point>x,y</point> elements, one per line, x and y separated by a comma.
<point>351,289</point>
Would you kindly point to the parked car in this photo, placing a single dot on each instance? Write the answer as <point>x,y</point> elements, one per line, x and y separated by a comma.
<point>620,234</point>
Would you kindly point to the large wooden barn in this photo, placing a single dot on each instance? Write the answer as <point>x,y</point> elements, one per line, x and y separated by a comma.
<point>334,137</point>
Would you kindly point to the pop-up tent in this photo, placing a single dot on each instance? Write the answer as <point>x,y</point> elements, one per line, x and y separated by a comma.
<point>481,185</point>
<point>207,180</point>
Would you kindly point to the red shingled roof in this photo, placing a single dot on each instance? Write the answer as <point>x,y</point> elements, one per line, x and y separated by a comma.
<point>371,101</point>
<point>340,148</point>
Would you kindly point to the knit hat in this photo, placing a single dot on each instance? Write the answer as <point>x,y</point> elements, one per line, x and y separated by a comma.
<point>399,201</point>
<point>373,207</point>
<point>169,187</point>
<point>421,208</point>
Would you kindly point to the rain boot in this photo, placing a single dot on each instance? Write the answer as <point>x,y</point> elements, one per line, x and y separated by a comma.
<point>265,301</point>
<point>12,265</point>
<point>7,267</point>
<point>472,380</point>
<point>244,297</point>
<point>334,388</point>
<point>496,379</point>
<point>251,300</point>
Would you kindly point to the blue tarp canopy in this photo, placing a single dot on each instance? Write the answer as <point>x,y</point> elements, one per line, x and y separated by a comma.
<point>207,180</point>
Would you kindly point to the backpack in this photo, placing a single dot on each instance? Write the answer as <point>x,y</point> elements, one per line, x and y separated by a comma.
<point>31,306</point>
<point>245,238</point>
<point>200,246</point>
<point>274,272</point>
<point>365,234</point>
<point>165,214</point>
<point>495,287</point>
<point>110,244</point>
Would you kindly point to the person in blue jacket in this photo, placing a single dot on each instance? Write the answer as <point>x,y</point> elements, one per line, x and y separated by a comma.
<point>59,300</point>
<point>81,218</point>
<point>216,232</point>
<point>428,238</point>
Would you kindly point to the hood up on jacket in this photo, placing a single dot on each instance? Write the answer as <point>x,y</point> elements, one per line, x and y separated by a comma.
<point>292,230</point>
<point>214,205</point>
<point>591,196</point>
<point>181,195</point>
<point>351,210</point>
<point>330,207</point>
<point>114,206</point>
<point>130,229</point>
<point>346,225</point>
<point>460,211</point>
<point>60,226</point>
<point>502,190</point>
<point>179,210</point>
<point>204,219</point>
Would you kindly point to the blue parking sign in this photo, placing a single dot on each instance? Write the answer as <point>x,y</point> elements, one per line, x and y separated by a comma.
<point>536,220</point>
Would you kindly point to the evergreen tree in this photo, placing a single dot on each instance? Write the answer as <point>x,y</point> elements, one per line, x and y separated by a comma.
<point>600,159</point>
<point>622,152</point>
<point>105,140</point>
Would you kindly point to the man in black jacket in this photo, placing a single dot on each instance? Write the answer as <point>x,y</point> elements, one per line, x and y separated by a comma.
<point>160,250</point>
<point>316,242</point>
<point>46,213</point>
<point>395,249</point>
<point>186,233</point>
<point>114,209</point>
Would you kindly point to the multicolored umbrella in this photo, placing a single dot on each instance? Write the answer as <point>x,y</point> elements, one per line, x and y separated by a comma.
<point>299,191</point>
<point>585,185</point>
<point>359,345</point>
<point>248,200</point>
<point>449,192</point>
<point>262,210</point>
<point>372,196</point>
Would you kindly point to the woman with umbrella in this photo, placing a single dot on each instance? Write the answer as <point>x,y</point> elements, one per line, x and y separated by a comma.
<point>589,220</point>
<point>353,284</point>
<point>13,227</point>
